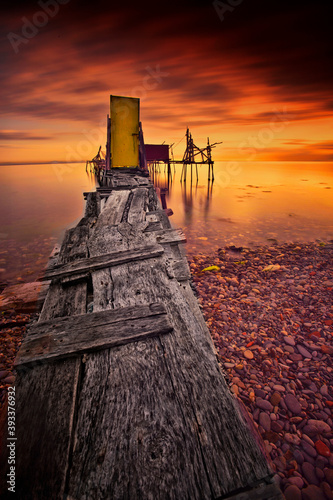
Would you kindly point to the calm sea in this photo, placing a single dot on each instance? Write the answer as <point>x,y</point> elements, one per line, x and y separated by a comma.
<point>248,204</point>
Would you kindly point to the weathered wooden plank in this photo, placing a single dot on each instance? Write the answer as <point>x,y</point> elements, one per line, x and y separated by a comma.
<point>102,290</point>
<point>57,326</point>
<point>142,181</point>
<point>104,190</point>
<point>74,245</point>
<point>46,394</point>
<point>153,202</point>
<point>123,181</point>
<point>170,236</point>
<point>102,261</point>
<point>74,278</point>
<point>139,437</point>
<point>45,408</point>
<point>93,204</point>
<point>107,241</point>
<point>154,226</point>
<point>155,433</point>
<point>100,330</point>
<point>181,270</point>
<point>113,209</point>
<point>54,257</point>
<point>161,216</point>
<point>139,202</point>
<point>62,301</point>
<point>264,491</point>
<point>193,368</point>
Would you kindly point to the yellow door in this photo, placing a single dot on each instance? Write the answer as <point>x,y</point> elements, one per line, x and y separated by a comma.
<point>124,113</point>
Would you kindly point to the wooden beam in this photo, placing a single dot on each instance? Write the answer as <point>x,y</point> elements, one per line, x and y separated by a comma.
<point>170,236</point>
<point>73,335</point>
<point>93,263</point>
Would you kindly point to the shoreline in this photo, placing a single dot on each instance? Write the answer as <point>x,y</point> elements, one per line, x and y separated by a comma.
<point>270,315</point>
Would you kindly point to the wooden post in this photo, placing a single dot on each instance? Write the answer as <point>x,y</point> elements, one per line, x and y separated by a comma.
<point>108,145</point>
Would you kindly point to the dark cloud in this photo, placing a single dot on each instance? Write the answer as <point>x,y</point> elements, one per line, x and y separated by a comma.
<point>273,52</point>
<point>20,135</point>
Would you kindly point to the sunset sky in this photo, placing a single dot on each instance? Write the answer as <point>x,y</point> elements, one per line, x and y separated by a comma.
<point>256,75</point>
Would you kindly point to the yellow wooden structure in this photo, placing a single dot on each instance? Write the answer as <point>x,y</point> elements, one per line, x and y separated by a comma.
<point>124,115</point>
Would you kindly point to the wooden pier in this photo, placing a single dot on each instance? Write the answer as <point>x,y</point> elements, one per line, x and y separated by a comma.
<point>119,393</point>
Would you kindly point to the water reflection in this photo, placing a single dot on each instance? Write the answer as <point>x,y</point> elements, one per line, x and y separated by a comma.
<point>263,203</point>
<point>266,202</point>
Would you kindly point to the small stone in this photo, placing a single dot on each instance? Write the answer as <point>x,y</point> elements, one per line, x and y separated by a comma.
<point>326,349</point>
<point>309,473</point>
<point>293,493</point>
<point>265,421</point>
<point>271,436</point>
<point>328,283</point>
<point>264,404</point>
<point>298,456</point>
<point>320,425</point>
<point>322,449</point>
<point>327,490</point>
<point>229,365</point>
<point>248,354</point>
<point>292,438</point>
<point>295,357</point>
<point>235,389</point>
<point>292,404</point>
<point>296,420</point>
<point>289,341</point>
<point>312,492</point>
<point>310,430</point>
<point>297,481</point>
<point>279,388</point>
<point>304,352</point>
<point>275,398</point>
<point>309,449</point>
<point>276,426</point>
<point>321,462</point>
<point>289,349</point>
<point>280,463</point>
<point>329,476</point>
<point>323,390</point>
<point>260,393</point>
<point>9,380</point>
<point>4,373</point>
<point>320,474</point>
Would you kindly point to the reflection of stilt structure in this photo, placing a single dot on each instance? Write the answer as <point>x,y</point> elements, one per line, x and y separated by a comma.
<point>189,158</point>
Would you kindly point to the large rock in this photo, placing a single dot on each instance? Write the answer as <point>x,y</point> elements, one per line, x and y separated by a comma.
<point>26,297</point>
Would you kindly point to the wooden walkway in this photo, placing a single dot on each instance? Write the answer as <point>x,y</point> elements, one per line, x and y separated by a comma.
<point>119,392</point>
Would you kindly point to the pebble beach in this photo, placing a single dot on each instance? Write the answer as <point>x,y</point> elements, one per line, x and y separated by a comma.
<point>269,310</point>
<point>270,313</point>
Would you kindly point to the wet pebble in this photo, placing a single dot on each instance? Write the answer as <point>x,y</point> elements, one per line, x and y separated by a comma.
<point>289,374</point>
<point>264,404</point>
<point>292,404</point>
<point>293,493</point>
<point>309,473</point>
<point>313,492</point>
<point>265,421</point>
